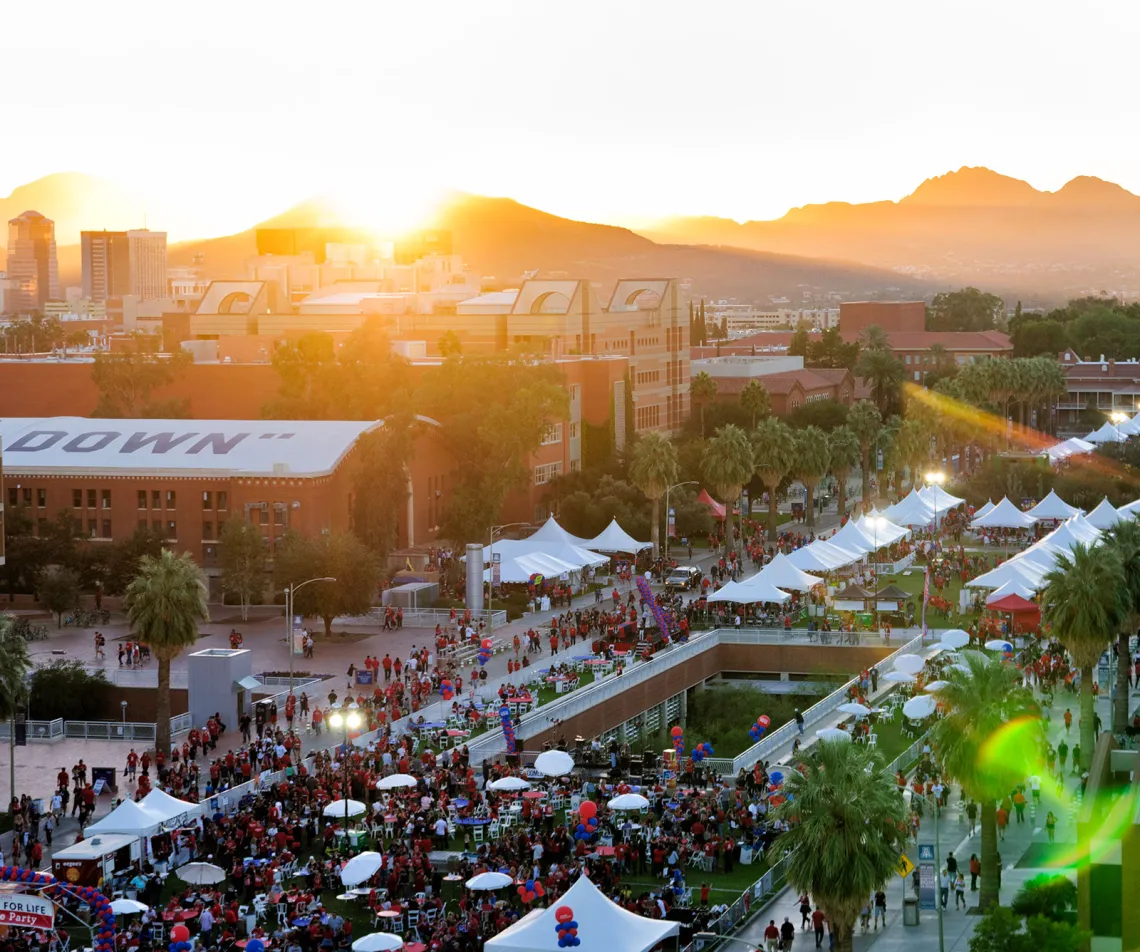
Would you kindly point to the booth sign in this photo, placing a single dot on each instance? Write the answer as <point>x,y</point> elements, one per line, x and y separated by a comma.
<point>26,912</point>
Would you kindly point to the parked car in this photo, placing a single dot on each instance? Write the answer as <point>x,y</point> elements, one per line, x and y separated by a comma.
<point>683,578</point>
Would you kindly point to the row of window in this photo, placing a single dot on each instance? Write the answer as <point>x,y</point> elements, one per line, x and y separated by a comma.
<point>648,376</point>
<point>545,472</point>
<point>101,498</point>
<point>648,417</point>
<point>552,434</point>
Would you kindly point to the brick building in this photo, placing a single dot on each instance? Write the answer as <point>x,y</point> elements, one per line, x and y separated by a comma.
<point>856,316</point>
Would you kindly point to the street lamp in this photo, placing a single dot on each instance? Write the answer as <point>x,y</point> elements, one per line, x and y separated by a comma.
<point>289,593</point>
<point>491,569</point>
<point>688,482</point>
<point>937,867</point>
<point>936,479</point>
<point>345,717</point>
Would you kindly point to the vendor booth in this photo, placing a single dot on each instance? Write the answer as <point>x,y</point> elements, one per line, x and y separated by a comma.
<point>94,861</point>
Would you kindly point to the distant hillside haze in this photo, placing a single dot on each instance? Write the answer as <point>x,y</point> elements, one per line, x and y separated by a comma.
<point>75,202</point>
<point>973,226</point>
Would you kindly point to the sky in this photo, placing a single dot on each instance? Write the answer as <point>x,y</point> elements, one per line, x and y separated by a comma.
<point>219,115</point>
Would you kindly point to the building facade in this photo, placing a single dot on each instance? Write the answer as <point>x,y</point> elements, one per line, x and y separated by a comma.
<point>106,262</point>
<point>856,316</point>
<point>147,253</point>
<point>33,270</point>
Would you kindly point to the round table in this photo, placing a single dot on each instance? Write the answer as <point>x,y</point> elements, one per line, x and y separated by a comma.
<point>473,821</point>
<point>389,915</point>
<point>534,795</point>
<point>461,803</point>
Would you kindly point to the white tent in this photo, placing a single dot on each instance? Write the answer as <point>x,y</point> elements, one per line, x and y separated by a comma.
<point>1069,534</point>
<point>521,567</point>
<point>1104,516</point>
<point>912,510</point>
<point>169,808</point>
<point>852,539</point>
<point>1106,434</point>
<point>1130,509</point>
<point>1005,515</point>
<point>1052,507</point>
<point>781,573</point>
<point>551,531</point>
<point>984,509</point>
<point>1081,525</point>
<point>613,538</point>
<point>749,594</point>
<point>575,555</point>
<point>601,923</point>
<point>1129,427</point>
<point>128,817</point>
<point>880,530</point>
<point>939,499</point>
<point>1020,570</point>
<point>1070,447</point>
<point>822,556</point>
<point>1012,587</point>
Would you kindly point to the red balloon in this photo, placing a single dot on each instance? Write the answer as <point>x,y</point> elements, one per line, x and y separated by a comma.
<point>587,809</point>
<point>677,732</point>
<point>521,890</point>
<point>563,914</point>
<point>180,934</point>
<point>763,720</point>
<point>539,890</point>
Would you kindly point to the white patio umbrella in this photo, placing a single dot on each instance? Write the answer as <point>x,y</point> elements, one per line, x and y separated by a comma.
<point>395,781</point>
<point>489,881</point>
<point>128,907</point>
<point>508,783</point>
<point>361,868</point>
<point>853,707</point>
<point>554,763</point>
<point>910,663</point>
<point>337,808</point>
<point>920,706</point>
<point>899,677</point>
<point>378,942</point>
<point>936,685</point>
<point>955,638</point>
<point>200,874</point>
<point>998,645</point>
<point>628,801</point>
<point>833,733</point>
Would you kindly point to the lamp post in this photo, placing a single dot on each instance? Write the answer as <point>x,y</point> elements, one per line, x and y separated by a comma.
<point>289,593</point>
<point>491,577</point>
<point>688,482</point>
<point>937,868</point>
<point>935,479</point>
<point>345,718</point>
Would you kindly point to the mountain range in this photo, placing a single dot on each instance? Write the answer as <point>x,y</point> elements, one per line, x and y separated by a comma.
<point>972,226</point>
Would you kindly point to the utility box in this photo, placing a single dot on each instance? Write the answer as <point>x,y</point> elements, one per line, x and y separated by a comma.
<point>215,683</point>
<point>910,911</point>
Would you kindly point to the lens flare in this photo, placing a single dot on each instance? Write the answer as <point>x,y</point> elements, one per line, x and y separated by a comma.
<point>1013,749</point>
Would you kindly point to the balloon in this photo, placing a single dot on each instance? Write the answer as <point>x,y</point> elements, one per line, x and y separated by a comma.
<point>180,934</point>
<point>775,778</point>
<point>521,890</point>
<point>255,945</point>
<point>580,828</point>
<point>587,809</point>
<point>764,720</point>
<point>677,732</point>
<point>488,644</point>
<point>539,889</point>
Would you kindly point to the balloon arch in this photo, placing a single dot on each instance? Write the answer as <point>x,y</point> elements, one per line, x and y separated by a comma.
<point>104,925</point>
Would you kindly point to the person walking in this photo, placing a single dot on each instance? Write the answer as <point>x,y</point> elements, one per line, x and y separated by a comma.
<point>772,937</point>
<point>1050,826</point>
<point>960,891</point>
<point>880,908</point>
<point>787,935</point>
<point>944,887</point>
<point>817,921</point>
<point>975,871</point>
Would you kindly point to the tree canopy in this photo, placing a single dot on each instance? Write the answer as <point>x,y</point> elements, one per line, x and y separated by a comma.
<point>967,309</point>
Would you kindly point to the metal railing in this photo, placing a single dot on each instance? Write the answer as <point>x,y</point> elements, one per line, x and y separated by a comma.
<point>181,723</point>
<point>37,730</point>
<point>747,903</point>
<point>109,730</point>
<point>430,617</point>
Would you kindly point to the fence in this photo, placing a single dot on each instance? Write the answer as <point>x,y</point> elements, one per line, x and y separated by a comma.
<point>747,903</point>
<point>109,730</point>
<point>429,617</point>
<point>37,730</point>
<point>181,723</point>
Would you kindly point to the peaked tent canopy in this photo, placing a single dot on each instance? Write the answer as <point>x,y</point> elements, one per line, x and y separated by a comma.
<point>601,923</point>
<point>984,508</point>
<point>170,808</point>
<point>893,593</point>
<point>821,556</point>
<point>1129,427</point>
<point>781,573</point>
<point>1011,603</point>
<point>1005,515</point>
<point>1106,434</point>
<point>939,498</point>
<point>613,538</point>
<point>577,555</point>
<point>742,593</point>
<point>1053,507</point>
<point>1021,571</point>
<point>851,538</point>
<point>879,529</point>
<point>128,817</point>
<point>912,510</point>
<point>551,531</point>
<point>1070,447</point>
<point>1105,515</point>
<point>853,593</point>
<point>1012,587</point>
<point>716,508</point>
<point>518,569</point>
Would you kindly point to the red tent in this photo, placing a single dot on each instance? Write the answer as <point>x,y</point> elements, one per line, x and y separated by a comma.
<point>714,507</point>
<point>1026,614</point>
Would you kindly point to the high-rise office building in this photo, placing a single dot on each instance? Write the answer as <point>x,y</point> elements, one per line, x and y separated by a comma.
<point>106,264</point>
<point>33,271</point>
<point>147,252</point>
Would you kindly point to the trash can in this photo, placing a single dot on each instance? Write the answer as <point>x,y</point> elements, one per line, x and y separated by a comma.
<point>910,911</point>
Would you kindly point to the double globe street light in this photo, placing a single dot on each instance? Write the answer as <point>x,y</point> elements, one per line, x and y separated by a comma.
<point>345,718</point>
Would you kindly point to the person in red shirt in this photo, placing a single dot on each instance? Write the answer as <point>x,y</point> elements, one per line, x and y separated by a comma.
<point>772,936</point>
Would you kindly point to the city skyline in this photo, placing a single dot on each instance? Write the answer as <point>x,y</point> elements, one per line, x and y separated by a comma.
<point>743,115</point>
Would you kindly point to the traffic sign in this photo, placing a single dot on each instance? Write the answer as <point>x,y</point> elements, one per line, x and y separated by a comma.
<point>906,867</point>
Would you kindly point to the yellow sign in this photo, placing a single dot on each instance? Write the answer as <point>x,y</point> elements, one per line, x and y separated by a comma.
<point>906,867</point>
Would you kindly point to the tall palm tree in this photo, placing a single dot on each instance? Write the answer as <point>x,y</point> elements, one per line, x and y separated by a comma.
<point>165,601</point>
<point>728,466</point>
<point>1084,605</point>
<point>990,720</point>
<point>1124,537</point>
<point>653,470</point>
<point>885,373</point>
<point>14,665</point>
<point>874,338</point>
<point>754,401</point>
<point>842,458</point>
<point>811,456</point>
<point>702,391</point>
<point>848,819</point>
<point>865,422</point>
<point>773,454</point>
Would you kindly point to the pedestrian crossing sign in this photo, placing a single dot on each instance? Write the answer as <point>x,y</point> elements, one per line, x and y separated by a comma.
<point>906,867</point>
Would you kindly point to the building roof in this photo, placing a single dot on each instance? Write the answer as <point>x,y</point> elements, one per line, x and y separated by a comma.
<point>958,341</point>
<point>203,448</point>
<point>503,299</point>
<point>780,383</point>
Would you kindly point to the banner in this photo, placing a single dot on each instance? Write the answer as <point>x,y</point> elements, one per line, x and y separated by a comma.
<point>26,912</point>
<point>927,877</point>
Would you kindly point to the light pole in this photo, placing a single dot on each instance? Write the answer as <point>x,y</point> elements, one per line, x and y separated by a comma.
<point>345,717</point>
<point>935,479</point>
<point>491,576</point>
<point>937,869</point>
<point>876,521</point>
<point>289,593</point>
<point>688,482</point>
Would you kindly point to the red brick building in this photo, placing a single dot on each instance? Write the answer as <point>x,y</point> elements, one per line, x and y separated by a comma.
<point>856,316</point>
<point>791,389</point>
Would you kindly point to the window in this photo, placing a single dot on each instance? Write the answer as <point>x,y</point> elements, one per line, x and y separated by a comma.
<point>91,499</point>
<point>171,529</point>
<point>279,515</point>
<point>553,434</point>
<point>546,472</point>
<point>27,494</point>
<point>142,525</point>
<point>207,531</point>
<point>264,518</point>
<point>574,431</point>
<point>155,499</point>
<point>170,498</point>
<point>106,528</point>
<point>575,465</point>
<point>41,498</point>
<point>13,498</point>
<point>156,526</point>
<point>91,529</point>
<point>106,498</point>
<point>77,498</point>
<point>207,500</point>
<point>222,501</point>
<point>142,498</point>
<point>908,358</point>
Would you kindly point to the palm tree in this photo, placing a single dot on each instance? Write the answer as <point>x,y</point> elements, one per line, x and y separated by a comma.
<point>991,721</point>
<point>810,458</point>
<point>844,454</point>
<point>754,401</point>
<point>702,391</point>
<point>728,466</point>
<point>773,453</point>
<point>885,373</point>
<point>1084,605</point>
<point>874,337</point>
<point>14,664</point>
<point>165,601</point>
<point>1124,537</point>
<point>865,422</point>
<point>653,470</point>
<point>912,447</point>
<point>848,819</point>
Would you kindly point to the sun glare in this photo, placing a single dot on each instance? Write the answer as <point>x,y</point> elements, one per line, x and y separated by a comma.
<point>388,211</point>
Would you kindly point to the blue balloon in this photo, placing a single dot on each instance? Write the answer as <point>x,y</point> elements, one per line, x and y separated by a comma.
<point>255,945</point>
<point>775,777</point>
